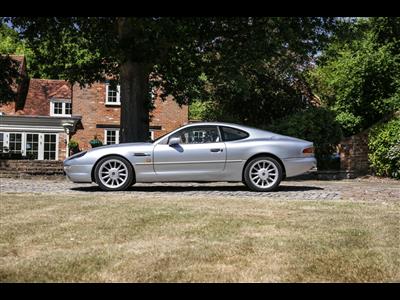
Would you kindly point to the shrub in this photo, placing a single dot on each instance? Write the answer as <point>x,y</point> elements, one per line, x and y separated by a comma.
<point>349,123</point>
<point>95,142</point>
<point>384,148</point>
<point>73,144</point>
<point>315,124</point>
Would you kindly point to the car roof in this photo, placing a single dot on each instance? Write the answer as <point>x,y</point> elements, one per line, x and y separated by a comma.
<point>245,127</point>
<point>254,132</point>
<point>218,124</point>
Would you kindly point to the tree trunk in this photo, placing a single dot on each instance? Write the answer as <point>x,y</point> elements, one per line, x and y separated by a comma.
<point>134,102</point>
<point>134,80</point>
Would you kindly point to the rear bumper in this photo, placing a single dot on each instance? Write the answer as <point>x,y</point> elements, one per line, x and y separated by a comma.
<point>297,166</point>
<point>79,173</point>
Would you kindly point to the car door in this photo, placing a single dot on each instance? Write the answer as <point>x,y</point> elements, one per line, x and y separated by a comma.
<point>200,155</point>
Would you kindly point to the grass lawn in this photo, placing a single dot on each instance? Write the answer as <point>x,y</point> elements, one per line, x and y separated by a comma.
<point>86,238</point>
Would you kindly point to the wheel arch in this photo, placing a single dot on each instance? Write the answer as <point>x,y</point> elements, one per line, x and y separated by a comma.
<point>268,155</point>
<point>108,155</point>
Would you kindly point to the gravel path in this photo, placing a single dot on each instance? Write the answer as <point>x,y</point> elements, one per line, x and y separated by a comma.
<point>355,189</point>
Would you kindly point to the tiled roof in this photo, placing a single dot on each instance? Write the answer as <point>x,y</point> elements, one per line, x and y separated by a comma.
<point>64,92</point>
<point>47,88</point>
<point>40,92</point>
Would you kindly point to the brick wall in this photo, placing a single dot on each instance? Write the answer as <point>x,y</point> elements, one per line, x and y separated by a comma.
<point>354,153</point>
<point>62,146</point>
<point>18,168</point>
<point>168,115</point>
<point>89,103</point>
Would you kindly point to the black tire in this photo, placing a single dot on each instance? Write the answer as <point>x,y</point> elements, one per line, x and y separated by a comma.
<point>276,181</point>
<point>128,181</point>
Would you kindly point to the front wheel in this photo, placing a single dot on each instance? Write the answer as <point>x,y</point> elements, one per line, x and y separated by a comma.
<point>263,174</point>
<point>113,173</point>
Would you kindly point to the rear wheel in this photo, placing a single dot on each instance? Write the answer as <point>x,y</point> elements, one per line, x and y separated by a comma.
<point>263,174</point>
<point>113,173</point>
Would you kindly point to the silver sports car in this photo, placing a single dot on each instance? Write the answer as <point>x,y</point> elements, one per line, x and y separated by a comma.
<point>197,152</point>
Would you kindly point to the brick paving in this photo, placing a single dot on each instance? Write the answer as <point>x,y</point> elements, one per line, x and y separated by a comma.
<point>352,189</point>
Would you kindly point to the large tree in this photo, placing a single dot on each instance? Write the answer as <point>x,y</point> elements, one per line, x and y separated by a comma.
<point>189,58</point>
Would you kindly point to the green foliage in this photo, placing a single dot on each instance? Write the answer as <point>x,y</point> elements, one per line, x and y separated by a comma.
<point>316,124</point>
<point>349,122</point>
<point>254,74</point>
<point>95,142</point>
<point>253,98</point>
<point>73,144</point>
<point>384,148</point>
<point>359,78</point>
<point>198,110</point>
<point>9,44</point>
<point>9,41</point>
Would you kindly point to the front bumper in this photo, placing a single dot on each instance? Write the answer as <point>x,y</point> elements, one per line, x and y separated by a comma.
<point>79,173</point>
<point>297,166</point>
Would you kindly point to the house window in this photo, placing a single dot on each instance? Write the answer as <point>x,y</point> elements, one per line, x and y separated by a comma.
<point>58,108</point>
<point>50,142</point>
<point>32,145</point>
<point>1,141</point>
<point>15,142</point>
<point>112,96</point>
<point>151,135</point>
<point>61,108</point>
<point>111,136</point>
<point>68,108</point>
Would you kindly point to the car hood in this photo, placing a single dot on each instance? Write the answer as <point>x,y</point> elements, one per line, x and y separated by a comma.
<point>130,145</point>
<point>116,148</point>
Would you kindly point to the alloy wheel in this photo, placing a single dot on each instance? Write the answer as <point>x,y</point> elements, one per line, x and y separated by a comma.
<point>113,173</point>
<point>263,174</point>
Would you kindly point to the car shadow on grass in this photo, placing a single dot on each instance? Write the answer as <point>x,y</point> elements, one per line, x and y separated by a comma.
<point>201,188</point>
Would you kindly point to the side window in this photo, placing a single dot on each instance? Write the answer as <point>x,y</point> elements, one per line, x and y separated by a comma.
<point>198,135</point>
<point>232,134</point>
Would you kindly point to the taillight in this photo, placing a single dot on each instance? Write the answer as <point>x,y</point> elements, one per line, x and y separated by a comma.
<point>308,151</point>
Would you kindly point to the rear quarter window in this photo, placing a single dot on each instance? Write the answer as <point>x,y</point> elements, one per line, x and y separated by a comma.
<point>232,134</point>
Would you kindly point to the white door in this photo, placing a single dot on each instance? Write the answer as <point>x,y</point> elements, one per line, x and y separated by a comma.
<point>50,146</point>
<point>32,145</point>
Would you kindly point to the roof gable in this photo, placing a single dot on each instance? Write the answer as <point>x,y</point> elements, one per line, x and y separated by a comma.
<point>64,92</point>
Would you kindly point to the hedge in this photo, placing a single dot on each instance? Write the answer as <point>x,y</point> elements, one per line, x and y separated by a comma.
<point>384,148</point>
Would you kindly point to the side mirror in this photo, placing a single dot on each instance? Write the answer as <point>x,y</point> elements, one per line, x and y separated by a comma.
<point>174,141</point>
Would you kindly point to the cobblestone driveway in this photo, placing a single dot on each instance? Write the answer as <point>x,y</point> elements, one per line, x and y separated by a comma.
<point>356,189</point>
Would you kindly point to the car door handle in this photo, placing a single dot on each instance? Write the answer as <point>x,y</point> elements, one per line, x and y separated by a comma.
<point>216,150</point>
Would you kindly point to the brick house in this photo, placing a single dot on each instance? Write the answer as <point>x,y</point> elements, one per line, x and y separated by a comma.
<point>48,113</point>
